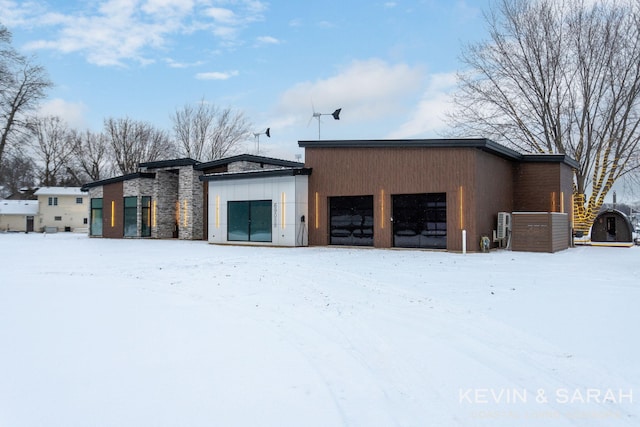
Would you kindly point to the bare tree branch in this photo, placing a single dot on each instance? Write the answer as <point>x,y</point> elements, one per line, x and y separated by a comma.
<point>559,77</point>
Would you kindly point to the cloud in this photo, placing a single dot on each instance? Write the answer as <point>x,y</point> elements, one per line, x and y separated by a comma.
<point>368,89</point>
<point>71,112</point>
<point>390,4</point>
<point>429,116</point>
<point>217,75</point>
<point>115,32</point>
<point>267,40</point>
<point>175,64</point>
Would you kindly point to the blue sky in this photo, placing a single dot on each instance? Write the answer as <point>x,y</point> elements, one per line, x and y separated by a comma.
<point>390,65</point>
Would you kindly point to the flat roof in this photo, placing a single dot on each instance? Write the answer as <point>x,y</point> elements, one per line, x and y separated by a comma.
<point>148,175</point>
<point>483,144</point>
<point>248,158</point>
<point>265,173</point>
<point>169,163</point>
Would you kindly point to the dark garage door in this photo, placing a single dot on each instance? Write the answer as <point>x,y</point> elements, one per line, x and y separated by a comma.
<point>351,220</point>
<point>420,220</point>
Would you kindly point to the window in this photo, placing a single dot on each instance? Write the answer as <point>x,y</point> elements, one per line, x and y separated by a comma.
<point>85,221</point>
<point>57,218</point>
<point>146,216</point>
<point>78,200</point>
<point>249,221</point>
<point>130,216</point>
<point>96,217</point>
<point>53,201</point>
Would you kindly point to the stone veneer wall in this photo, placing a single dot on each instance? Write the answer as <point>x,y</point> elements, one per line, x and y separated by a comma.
<point>249,166</point>
<point>165,193</point>
<point>191,204</point>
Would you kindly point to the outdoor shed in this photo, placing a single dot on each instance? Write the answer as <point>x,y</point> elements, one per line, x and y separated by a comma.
<point>612,227</point>
<point>425,193</point>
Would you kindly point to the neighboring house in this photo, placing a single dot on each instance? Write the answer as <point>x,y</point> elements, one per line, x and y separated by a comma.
<point>164,199</point>
<point>18,215</point>
<point>431,193</point>
<point>62,209</point>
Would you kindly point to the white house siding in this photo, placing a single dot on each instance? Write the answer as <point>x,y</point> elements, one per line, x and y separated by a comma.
<point>73,216</point>
<point>287,228</point>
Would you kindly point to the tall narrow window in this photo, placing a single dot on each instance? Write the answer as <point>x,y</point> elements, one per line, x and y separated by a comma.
<point>249,221</point>
<point>130,216</point>
<point>146,216</point>
<point>96,217</point>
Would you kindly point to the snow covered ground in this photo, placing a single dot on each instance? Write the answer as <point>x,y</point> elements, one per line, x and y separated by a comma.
<point>98,332</point>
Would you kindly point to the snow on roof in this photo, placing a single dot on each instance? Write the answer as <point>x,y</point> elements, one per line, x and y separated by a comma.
<point>60,191</point>
<point>18,207</point>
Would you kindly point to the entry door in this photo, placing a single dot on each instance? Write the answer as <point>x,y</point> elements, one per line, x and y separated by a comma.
<point>29,223</point>
<point>420,220</point>
<point>351,220</point>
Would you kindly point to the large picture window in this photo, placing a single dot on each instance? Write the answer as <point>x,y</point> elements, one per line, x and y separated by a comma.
<point>96,217</point>
<point>249,221</point>
<point>130,216</point>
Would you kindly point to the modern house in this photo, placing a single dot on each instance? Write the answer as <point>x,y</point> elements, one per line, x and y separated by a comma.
<point>164,199</point>
<point>446,194</point>
<point>18,215</point>
<point>430,193</point>
<point>62,209</point>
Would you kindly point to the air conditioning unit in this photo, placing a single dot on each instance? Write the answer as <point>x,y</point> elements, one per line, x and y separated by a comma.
<point>504,225</point>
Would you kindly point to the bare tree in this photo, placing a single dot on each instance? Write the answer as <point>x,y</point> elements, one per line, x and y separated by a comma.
<point>17,171</point>
<point>91,154</point>
<point>206,132</point>
<point>559,77</point>
<point>132,142</point>
<point>22,86</point>
<point>53,149</point>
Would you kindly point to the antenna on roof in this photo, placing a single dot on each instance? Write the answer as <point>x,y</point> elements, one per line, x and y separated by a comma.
<point>257,136</point>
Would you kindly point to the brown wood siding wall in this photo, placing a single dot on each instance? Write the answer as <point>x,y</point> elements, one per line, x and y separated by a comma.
<point>495,187</point>
<point>542,187</point>
<point>539,232</point>
<point>383,172</point>
<point>560,237</point>
<point>112,195</point>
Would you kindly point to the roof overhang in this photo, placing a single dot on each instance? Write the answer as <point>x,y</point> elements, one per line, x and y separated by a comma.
<point>270,173</point>
<point>483,144</point>
<point>145,175</point>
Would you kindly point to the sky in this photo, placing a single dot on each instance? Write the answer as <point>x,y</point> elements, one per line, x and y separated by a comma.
<point>389,65</point>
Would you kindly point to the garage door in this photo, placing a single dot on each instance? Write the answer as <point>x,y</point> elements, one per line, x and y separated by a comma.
<point>351,220</point>
<point>420,220</point>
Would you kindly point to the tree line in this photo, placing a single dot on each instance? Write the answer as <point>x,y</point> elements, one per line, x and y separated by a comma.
<point>37,150</point>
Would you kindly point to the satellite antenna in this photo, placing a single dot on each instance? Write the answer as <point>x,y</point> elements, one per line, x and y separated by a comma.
<point>335,114</point>
<point>257,136</point>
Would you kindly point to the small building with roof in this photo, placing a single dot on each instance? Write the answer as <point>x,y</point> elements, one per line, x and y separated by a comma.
<point>18,215</point>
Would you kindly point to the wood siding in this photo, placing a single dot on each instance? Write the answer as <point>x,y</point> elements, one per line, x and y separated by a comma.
<point>543,187</point>
<point>468,176</point>
<point>112,196</point>
<point>539,231</point>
